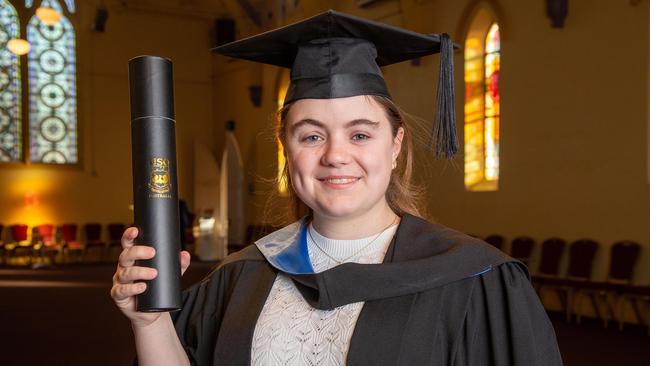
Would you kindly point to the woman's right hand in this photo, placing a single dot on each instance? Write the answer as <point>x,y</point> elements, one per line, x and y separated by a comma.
<point>125,288</point>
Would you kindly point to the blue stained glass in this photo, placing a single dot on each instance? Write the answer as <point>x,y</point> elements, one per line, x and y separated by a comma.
<point>11,147</point>
<point>52,90</point>
<point>70,5</point>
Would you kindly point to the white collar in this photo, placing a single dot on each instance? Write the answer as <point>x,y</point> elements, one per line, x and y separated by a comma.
<point>286,249</point>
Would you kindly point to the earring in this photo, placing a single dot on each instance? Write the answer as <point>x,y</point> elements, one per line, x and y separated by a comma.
<point>394,164</point>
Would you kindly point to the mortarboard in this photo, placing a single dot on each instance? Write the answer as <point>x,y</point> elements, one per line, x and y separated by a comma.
<point>336,55</point>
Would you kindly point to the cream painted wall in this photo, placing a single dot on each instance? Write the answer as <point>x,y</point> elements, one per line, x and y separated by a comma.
<point>100,189</point>
<point>574,120</point>
<point>574,150</point>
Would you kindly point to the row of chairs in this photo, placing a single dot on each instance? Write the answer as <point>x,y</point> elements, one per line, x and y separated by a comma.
<point>60,244</point>
<point>572,288</point>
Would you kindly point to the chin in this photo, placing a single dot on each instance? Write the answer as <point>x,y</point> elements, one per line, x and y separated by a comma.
<point>338,209</point>
<point>338,213</point>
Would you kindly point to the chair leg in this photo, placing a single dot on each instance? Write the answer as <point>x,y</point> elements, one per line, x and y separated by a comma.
<point>593,297</point>
<point>622,313</point>
<point>577,306</point>
<point>569,304</point>
<point>609,308</point>
<point>638,304</point>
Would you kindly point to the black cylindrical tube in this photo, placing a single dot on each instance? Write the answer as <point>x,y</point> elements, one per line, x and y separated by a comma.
<point>155,194</point>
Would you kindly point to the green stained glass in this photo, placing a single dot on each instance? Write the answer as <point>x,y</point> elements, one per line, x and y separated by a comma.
<point>52,90</point>
<point>11,148</point>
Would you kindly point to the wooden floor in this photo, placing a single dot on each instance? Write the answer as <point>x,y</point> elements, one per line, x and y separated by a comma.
<point>65,317</point>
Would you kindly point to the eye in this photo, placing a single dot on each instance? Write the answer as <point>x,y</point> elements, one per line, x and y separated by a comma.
<point>360,136</point>
<point>312,138</point>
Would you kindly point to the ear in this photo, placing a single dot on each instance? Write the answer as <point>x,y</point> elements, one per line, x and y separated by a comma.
<point>397,142</point>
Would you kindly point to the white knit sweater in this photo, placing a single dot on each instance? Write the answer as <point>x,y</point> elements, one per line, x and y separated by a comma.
<point>291,332</point>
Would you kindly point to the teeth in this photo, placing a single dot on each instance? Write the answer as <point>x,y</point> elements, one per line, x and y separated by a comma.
<point>341,180</point>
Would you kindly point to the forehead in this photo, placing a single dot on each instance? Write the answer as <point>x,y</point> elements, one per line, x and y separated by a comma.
<point>337,111</point>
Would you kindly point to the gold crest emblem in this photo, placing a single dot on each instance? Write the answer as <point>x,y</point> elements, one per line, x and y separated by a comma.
<point>159,182</point>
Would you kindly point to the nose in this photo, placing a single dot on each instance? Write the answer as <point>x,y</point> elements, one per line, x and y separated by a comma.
<point>335,153</point>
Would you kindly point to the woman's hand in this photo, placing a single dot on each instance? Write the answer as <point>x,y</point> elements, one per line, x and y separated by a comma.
<point>125,289</point>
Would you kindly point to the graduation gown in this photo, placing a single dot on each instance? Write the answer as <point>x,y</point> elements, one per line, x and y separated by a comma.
<point>439,298</point>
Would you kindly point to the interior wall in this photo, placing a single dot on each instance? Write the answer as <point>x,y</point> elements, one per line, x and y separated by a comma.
<point>574,126</point>
<point>573,149</point>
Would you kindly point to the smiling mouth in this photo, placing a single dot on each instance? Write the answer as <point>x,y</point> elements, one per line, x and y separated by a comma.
<point>339,180</point>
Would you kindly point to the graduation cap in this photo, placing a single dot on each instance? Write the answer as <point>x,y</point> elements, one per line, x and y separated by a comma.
<point>336,55</point>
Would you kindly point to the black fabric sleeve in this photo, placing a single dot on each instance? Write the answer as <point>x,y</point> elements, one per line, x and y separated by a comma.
<point>198,323</point>
<point>505,323</point>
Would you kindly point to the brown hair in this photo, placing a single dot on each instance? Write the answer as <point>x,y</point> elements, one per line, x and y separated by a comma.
<point>402,195</point>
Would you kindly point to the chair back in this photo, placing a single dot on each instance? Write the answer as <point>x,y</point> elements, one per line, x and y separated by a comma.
<point>45,233</point>
<point>115,231</point>
<point>495,240</point>
<point>522,247</point>
<point>18,232</point>
<point>69,232</point>
<point>93,232</point>
<point>552,250</point>
<point>581,258</point>
<point>624,257</point>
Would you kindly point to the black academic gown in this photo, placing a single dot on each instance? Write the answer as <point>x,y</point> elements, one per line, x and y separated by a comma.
<point>440,298</point>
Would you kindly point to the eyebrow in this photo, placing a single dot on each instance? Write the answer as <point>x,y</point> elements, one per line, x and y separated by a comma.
<point>313,122</point>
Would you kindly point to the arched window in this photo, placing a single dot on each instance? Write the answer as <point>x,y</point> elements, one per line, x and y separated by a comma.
<point>482,103</point>
<point>11,146</point>
<point>52,89</point>
<point>283,86</point>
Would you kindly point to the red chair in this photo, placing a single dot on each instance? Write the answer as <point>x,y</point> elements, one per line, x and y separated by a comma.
<point>496,241</point>
<point>522,248</point>
<point>547,276</point>
<point>624,257</point>
<point>2,244</point>
<point>639,297</point>
<point>581,259</point>
<point>70,243</point>
<point>18,242</point>
<point>44,241</point>
<point>92,239</point>
<point>115,231</point>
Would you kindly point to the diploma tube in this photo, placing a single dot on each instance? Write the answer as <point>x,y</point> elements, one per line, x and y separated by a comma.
<point>155,192</point>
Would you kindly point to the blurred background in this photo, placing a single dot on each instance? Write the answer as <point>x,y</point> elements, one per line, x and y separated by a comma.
<point>552,102</point>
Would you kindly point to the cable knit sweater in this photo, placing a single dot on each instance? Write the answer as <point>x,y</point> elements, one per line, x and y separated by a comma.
<point>290,332</point>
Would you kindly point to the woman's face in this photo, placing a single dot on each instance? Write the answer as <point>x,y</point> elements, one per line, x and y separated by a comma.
<point>340,153</point>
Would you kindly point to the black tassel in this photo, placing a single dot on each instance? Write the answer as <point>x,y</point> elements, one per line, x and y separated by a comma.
<point>444,128</point>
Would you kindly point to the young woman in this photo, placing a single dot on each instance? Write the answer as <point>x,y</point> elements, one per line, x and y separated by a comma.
<point>361,279</point>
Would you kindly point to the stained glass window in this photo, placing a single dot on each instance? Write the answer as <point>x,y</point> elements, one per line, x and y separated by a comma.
<point>482,65</point>
<point>10,88</point>
<point>68,3</point>
<point>52,90</point>
<point>283,185</point>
